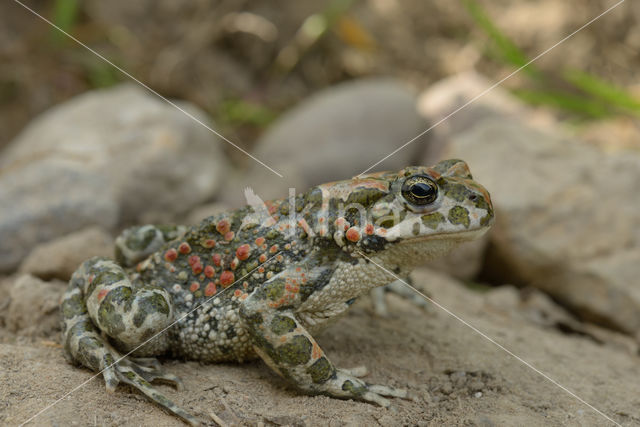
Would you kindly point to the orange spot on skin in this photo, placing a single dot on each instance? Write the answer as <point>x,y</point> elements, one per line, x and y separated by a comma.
<point>223,226</point>
<point>171,255</point>
<point>197,268</point>
<point>234,263</point>
<point>226,278</point>
<point>259,241</point>
<point>316,353</point>
<point>369,229</point>
<point>244,296</point>
<point>210,289</point>
<point>245,285</point>
<point>184,248</point>
<point>194,259</point>
<point>262,258</point>
<point>381,231</point>
<point>228,236</point>
<point>243,252</point>
<point>260,269</point>
<point>353,234</point>
<point>237,292</point>
<point>273,249</point>
<point>91,278</point>
<point>304,225</point>
<point>103,293</point>
<point>194,286</point>
<point>210,243</point>
<point>217,259</point>
<point>287,246</point>
<point>280,258</point>
<point>209,271</point>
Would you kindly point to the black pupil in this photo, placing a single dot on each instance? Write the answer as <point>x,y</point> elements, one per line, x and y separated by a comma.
<point>422,190</point>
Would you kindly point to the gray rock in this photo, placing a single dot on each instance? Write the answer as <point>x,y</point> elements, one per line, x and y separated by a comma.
<point>567,216</point>
<point>60,257</point>
<point>33,306</point>
<point>334,135</point>
<point>104,158</point>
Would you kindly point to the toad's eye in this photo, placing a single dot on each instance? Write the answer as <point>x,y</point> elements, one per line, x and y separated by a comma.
<point>419,190</point>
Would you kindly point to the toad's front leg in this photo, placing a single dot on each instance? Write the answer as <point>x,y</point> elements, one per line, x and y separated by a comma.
<point>288,348</point>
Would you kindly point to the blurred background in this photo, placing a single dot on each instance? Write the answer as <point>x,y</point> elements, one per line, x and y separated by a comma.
<point>324,90</point>
<point>245,62</point>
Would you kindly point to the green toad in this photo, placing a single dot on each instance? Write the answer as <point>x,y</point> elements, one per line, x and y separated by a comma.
<point>260,282</point>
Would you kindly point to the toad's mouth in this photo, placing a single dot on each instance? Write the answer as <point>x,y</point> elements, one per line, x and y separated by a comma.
<point>463,235</point>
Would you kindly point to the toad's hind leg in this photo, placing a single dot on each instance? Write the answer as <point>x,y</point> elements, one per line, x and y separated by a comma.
<point>101,300</point>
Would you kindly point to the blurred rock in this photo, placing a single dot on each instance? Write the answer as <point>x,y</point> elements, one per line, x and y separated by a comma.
<point>464,100</point>
<point>104,158</point>
<point>33,306</point>
<point>567,213</point>
<point>333,135</point>
<point>60,257</point>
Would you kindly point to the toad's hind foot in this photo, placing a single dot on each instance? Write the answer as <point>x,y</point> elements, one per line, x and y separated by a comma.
<point>140,376</point>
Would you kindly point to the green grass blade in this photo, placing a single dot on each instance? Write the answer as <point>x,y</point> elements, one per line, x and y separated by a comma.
<point>506,48</point>
<point>65,14</point>
<point>586,107</point>
<point>603,90</point>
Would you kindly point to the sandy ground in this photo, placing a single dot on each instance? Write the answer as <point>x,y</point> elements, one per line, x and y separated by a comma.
<point>457,376</point>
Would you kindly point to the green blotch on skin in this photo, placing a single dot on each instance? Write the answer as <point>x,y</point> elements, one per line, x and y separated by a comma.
<point>445,165</point>
<point>432,220</point>
<point>314,197</point>
<point>139,241</point>
<point>416,229</point>
<point>355,390</point>
<point>365,196</point>
<point>88,348</point>
<point>321,370</point>
<point>106,277</point>
<point>108,315</point>
<point>457,192</point>
<point>459,216</point>
<point>273,234</point>
<point>296,351</point>
<point>73,306</point>
<point>486,219</point>
<point>481,203</point>
<point>149,304</point>
<point>281,325</point>
<point>274,290</point>
<point>252,319</point>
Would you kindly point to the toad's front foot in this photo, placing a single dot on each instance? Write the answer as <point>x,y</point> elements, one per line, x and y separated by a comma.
<point>345,385</point>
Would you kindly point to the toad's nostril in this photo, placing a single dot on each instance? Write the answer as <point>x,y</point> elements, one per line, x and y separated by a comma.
<point>473,197</point>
